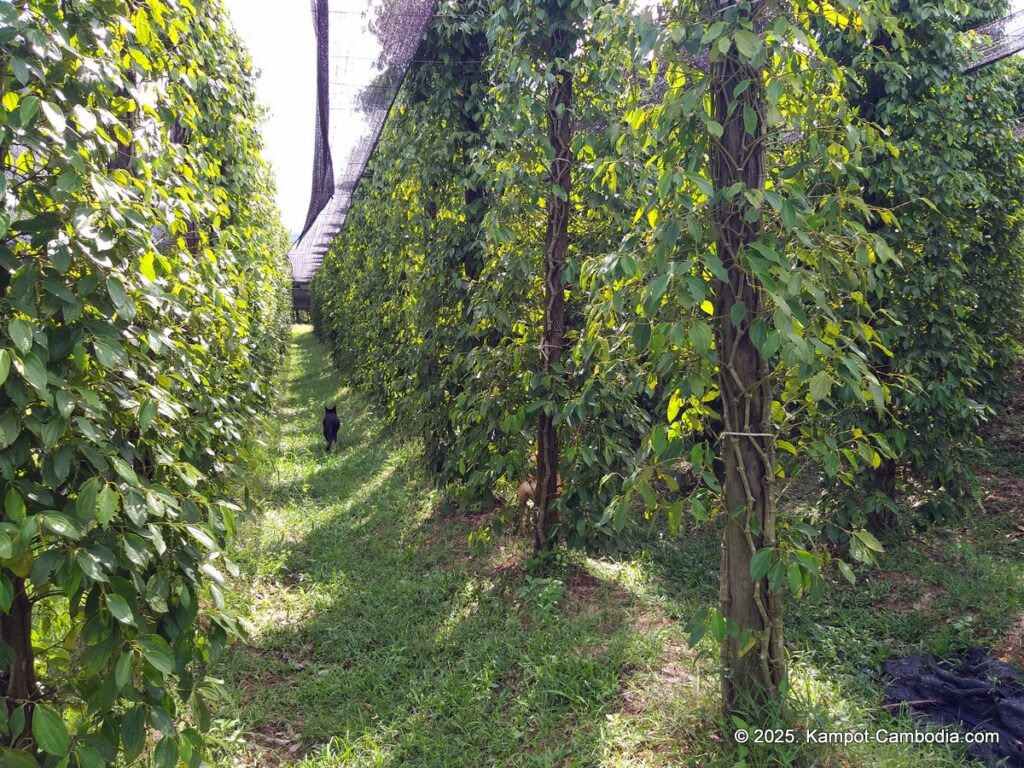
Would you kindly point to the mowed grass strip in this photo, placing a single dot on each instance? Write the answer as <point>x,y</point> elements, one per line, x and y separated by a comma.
<point>379,638</point>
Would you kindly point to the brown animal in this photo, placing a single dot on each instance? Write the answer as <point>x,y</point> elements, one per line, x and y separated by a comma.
<point>527,495</point>
<point>528,490</point>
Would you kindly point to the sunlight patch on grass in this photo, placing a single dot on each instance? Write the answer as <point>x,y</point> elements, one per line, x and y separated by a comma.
<point>380,638</point>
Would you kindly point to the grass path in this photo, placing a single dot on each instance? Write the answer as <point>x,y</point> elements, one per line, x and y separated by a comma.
<point>380,639</point>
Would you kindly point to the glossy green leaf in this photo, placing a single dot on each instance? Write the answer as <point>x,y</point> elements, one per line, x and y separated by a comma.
<point>156,652</point>
<point>119,609</point>
<point>49,730</point>
<point>761,562</point>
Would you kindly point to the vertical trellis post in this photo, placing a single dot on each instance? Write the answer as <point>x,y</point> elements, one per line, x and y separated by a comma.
<point>752,655</point>
<point>556,244</point>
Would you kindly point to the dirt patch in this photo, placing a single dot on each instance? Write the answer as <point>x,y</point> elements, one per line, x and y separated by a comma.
<point>585,594</point>
<point>933,554</point>
<point>894,577</point>
<point>271,744</point>
<point>282,665</point>
<point>916,596</point>
<point>895,604</point>
<point>675,675</point>
<point>509,562</point>
<point>594,650</point>
<point>1011,648</point>
<point>652,621</point>
<point>1001,492</point>
<point>928,596</point>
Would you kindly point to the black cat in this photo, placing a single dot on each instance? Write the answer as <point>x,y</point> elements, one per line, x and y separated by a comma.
<point>331,425</point>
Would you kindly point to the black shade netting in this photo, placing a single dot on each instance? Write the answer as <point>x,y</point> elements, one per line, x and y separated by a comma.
<point>364,48</point>
<point>997,40</point>
<point>973,691</point>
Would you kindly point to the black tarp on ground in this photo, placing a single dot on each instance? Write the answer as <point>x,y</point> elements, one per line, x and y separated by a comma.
<point>974,691</point>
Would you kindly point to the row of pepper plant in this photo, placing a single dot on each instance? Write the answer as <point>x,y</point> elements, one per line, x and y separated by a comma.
<point>665,258</point>
<point>143,294</point>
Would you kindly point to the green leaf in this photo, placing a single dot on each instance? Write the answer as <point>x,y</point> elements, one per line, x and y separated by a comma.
<point>20,69</point>
<point>117,293</point>
<point>716,624</point>
<point>86,120</point>
<point>868,540</point>
<point>146,266</point>
<point>124,470</point>
<point>761,562</point>
<point>133,732</point>
<point>85,504</point>
<point>820,386</point>
<point>106,505</point>
<point>794,578</point>
<point>91,566</point>
<point>161,719</point>
<point>641,336</point>
<point>788,215</point>
<point>49,730</point>
<point>35,373</point>
<point>123,670</point>
<point>106,354</point>
<point>786,446</point>
<point>20,333</point>
<point>747,43</point>
<point>5,365</point>
<point>120,609</point>
<point>658,287</point>
<point>14,506</point>
<point>737,313</point>
<point>746,644</point>
<point>54,116</point>
<point>88,757</point>
<point>60,524</point>
<point>147,412</point>
<point>6,593</point>
<point>156,652</point>
<point>750,120</point>
<point>69,182</point>
<point>847,571</point>
<point>701,336</point>
<point>15,758</point>
<point>166,754</point>
<point>202,537</point>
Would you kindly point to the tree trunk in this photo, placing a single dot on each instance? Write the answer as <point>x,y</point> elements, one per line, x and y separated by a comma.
<point>556,244</point>
<point>753,679</point>
<point>16,631</point>
<point>881,520</point>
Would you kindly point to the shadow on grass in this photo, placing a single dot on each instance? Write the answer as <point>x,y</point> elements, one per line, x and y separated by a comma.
<point>381,640</point>
<point>373,649</point>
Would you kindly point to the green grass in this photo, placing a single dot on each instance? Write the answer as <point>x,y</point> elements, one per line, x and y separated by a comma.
<point>379,639</point>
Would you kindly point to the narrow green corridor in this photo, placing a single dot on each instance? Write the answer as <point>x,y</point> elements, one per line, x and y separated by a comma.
<point>379,640</point>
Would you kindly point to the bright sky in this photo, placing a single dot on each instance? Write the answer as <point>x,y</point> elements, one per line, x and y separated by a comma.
<point>279,35</point>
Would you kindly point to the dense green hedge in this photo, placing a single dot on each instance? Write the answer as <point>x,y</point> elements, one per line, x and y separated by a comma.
<point>142,291</point>
<point>950,309</point>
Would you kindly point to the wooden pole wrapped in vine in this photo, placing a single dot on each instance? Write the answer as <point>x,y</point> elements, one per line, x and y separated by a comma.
<point>752,655</point>
<point>556,244</point>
